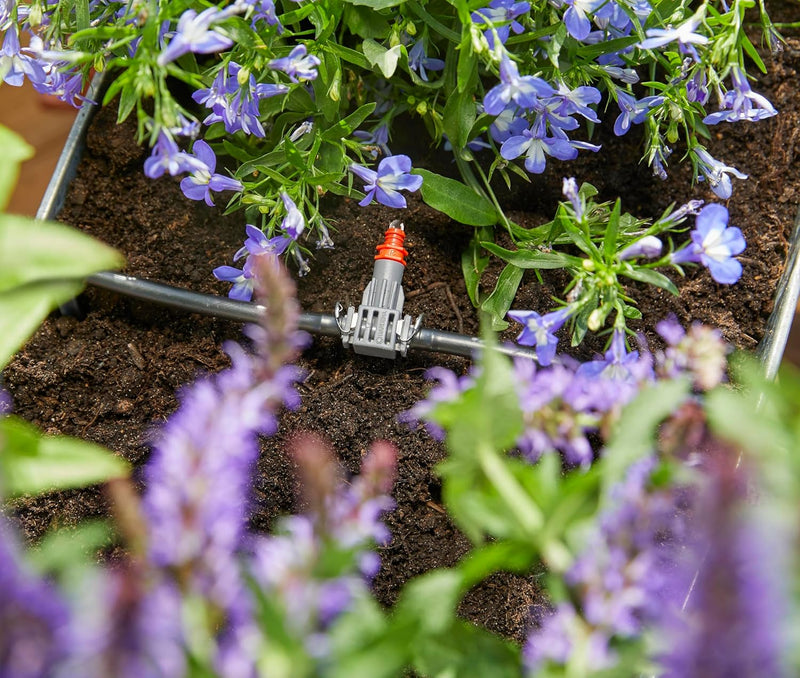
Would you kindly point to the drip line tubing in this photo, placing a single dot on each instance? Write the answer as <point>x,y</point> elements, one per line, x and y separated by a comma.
<point>323,324</point>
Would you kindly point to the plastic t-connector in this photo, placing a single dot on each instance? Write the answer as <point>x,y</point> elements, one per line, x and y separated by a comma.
<point>379,328</point>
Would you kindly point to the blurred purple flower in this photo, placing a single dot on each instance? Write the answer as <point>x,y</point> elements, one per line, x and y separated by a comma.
<point>194,34</point>
<point>203,180</point>
<point>449,388</point>
<point>35,624</point>
<point>524,90</point>
<point>299,66</point>
<point>700,353</point>
<point>385,184</point>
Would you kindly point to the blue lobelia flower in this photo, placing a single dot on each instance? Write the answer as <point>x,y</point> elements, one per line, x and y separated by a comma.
<point>167,157</point>
<point>684,35</point>
<point>571,101</point>
<point>299,65</point>
<point>715,172</point>
<point>648,247</point>
<point>536,146</point>
<point>575,19</point>
<point>194,34</point>
<point>258,243</point>
<point>539,330</point>
<point>507,125</point>
<point>741,103</point>
<point>714,245</point>
<point>242,279</point>
<point>385,184</point>
<point>14,65</point>
<point>418,61</point>
<point>293,223</point>
<point>524,90</point>
<point>633,111</point>
<point>203,180</point>
<point>501,18</point>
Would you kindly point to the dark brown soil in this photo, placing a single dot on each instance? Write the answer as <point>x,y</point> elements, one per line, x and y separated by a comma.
<point>111,376</point>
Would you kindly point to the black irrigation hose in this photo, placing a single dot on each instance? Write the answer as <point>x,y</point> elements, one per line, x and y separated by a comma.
<point>315,323</point>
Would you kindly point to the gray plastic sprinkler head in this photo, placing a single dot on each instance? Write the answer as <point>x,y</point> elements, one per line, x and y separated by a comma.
<point>379,327</point>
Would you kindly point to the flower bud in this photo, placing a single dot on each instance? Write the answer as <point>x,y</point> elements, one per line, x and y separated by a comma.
<point>422,108</point>
<point>588,265</point>
<point>648,247</point>
<point>243,76</point>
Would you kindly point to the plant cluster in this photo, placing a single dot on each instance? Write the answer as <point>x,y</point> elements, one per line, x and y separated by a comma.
<point>300,96</point>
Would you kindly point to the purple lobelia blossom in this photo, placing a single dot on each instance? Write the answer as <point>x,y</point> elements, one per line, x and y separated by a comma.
<point>697,87</point>
<point>539,330</point>
<point>569,188</point>
<point>741,102</point>
<point>294,222</point>
<point>571,101</point>
<point>6,403</point>
<point>194,34</point>
<point>715,172</point>
<point>524,91</point>
<point>203,180</point>
<point>15,64</point>
<point>234,104</point>
<point>264,10</point>
<point>536,146</point>
<point>618,364</point>
<point>575,19</point>
<point>167,157</point>
<point>393,176</point>
<point>633,111</point>
<point>375,142</point>
<point>684,35</point>
<point>35,623</point>
<point>198,476</point>
<point>419,61</point>
<point>242,279</point>
<point>257,242</point>
<point>507,124</point>
<point>501,18</point>
<point>714,244</point>
<point>299,65</point>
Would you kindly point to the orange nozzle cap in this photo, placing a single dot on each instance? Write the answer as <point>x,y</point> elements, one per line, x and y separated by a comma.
<point>392,247</point>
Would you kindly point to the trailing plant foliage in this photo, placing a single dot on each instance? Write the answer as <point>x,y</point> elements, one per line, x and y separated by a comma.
<point>301,96</point>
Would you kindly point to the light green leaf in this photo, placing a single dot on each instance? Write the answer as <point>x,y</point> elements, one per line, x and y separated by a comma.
<point>456,200</point>
<point>532,258</point>
<point>22,310</point>
<point>376,4</point>
<point>459,117</point>
<point>346,126</point>
<point>651,277</point>
<point>500,300</point>
<point>32,251</point>
<point>32,463</point>
<point>15,152</point>
<point>385,59</point>
<point>473,263</point>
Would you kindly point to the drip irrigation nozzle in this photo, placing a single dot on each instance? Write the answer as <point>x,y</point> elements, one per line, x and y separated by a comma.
<point>378,328</point>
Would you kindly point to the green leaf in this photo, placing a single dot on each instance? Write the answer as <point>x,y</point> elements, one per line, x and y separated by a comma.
<point>15,152</point>
<point>610,239</point>
<point>32,251</point>
<point>385,59</point>
<point>651,277</point>
<point>532,258</point>
<point>501,298</point>
<point>346,126</point>
<point>635,432</point>
<point>473,264</point>
<point>458,118</point>
<point>293,156</point>
<point>376,4</point>
<point>33,463</point>
<point>456,200</point>
<point>23,309</point>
